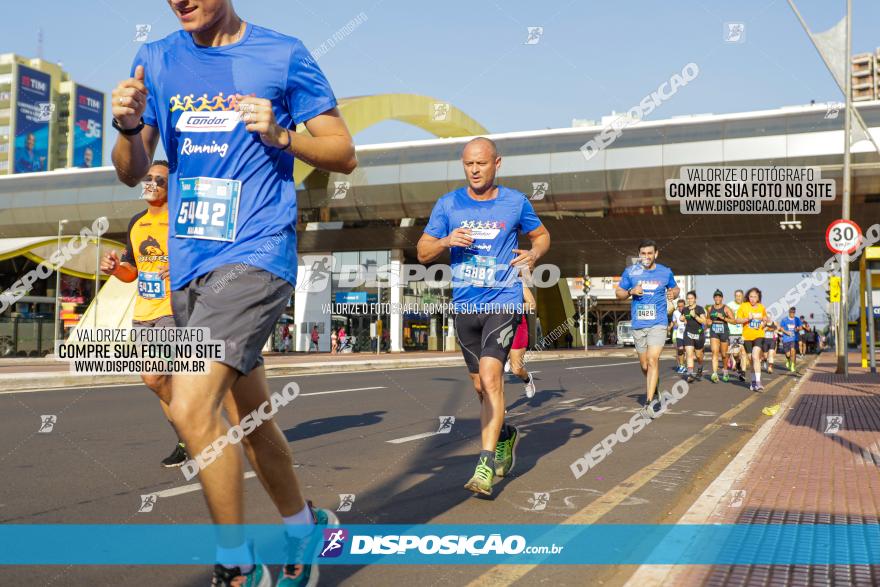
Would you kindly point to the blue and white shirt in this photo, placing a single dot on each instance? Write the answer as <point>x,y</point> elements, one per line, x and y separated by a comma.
<point>482,276</point>
<point>214,219</point>
<point>648,309</point>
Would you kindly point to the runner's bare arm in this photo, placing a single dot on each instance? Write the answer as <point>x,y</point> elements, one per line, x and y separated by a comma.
<point>529,298</point>
<point>111,265</point>
<point>622,294</point>
<point>429,247</point>
<point>132,154</point>
<point>126,272</point>
<point>330,146</point>
<point>327,145</point>
<point>540,239</point>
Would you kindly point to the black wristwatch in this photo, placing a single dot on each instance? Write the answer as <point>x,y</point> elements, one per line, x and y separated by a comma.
<point>129,131</point>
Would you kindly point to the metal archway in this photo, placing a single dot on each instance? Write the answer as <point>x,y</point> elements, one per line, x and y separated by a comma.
<point>430,114</point>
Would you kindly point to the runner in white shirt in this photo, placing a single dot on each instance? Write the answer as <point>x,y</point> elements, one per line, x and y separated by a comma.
<point>677,327</point>
<point>735,347</point>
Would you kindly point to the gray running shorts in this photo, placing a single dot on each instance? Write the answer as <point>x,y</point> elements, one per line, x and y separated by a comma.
<point>651,336</point>
<point>240,304</point>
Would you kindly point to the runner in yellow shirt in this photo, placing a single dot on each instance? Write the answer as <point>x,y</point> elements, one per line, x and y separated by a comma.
<point>752,315</point>
<point>146,260</point>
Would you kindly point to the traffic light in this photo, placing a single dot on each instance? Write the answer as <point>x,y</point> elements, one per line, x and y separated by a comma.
<point>834,288</point>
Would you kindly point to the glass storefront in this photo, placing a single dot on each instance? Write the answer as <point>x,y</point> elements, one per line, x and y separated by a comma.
<point>361,330</point>
<point>371,332</point>
<point>422,330</point>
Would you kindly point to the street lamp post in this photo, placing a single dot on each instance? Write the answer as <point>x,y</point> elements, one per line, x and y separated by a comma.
<point>97,277</point>
<point>843,318</point>
<point>61,224</point>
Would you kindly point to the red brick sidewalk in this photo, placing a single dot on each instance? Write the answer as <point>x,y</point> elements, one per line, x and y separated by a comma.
<point>807,471</point>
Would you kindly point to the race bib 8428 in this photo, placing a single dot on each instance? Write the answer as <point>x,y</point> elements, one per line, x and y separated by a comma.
<point>646,312</point>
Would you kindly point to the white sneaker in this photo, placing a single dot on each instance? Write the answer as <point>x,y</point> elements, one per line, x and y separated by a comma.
<point>530,387</point>
<point>507,366</point>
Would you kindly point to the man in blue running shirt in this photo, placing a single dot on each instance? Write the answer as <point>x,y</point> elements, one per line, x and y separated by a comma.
<point>224,97</point>
<point>790,328</point>
<point>479,224</point>
<point>649,284</point>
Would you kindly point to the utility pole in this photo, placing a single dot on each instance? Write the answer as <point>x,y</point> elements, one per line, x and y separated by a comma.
<point>843,318</point>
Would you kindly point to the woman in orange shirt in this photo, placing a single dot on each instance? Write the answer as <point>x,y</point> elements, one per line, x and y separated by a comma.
<point>752,315</point>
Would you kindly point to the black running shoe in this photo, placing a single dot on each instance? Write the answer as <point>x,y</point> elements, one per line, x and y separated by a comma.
<point>176,458</point>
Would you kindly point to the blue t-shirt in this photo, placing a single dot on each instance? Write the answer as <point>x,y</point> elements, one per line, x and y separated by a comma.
<point>191,102</point>
<point>792,325</point>
<point>648,309</point>
<point>482,277</point>
<point>27,162</point>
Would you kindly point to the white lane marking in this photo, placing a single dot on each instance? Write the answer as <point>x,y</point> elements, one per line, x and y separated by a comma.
<point>571,401</point>
<point>413,437</point>
<point>605,365</point>
<point>192,487</point>
<point>138,385</point>
<point>342,390</point>
<point>271,376</point>
<point>595,408</point>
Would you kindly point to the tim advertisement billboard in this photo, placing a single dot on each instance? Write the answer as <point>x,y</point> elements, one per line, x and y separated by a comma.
<point>88,135</point>
<point>33,115</point>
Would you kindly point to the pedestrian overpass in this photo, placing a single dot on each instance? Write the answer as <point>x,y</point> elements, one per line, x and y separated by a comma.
<point>596,210</point>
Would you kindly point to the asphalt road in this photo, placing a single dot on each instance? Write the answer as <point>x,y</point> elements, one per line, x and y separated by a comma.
<point>369,434</point>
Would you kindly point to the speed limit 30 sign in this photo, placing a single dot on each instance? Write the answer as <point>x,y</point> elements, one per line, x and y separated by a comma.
<point>843,236</point>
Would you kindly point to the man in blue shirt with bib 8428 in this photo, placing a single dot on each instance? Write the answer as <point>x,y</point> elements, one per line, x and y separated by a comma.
<point>479,225</point>
<point>224,96</point>
<point>650,284</point>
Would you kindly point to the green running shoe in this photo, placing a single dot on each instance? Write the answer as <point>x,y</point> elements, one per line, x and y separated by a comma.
<point>303,553</point>
<point>714,378</point>
<point>481,482</point>
<point>258,577</point>
<point>725,378</point>
<point>505,452</point>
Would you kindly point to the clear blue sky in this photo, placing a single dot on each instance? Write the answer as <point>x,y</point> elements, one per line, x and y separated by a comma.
<point>594,57</point>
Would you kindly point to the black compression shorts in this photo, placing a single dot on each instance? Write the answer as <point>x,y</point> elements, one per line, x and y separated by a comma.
<point>485,335</point>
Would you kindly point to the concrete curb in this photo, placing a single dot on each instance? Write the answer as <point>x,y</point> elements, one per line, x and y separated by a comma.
<point>710,500</point>
<point>15,382</point>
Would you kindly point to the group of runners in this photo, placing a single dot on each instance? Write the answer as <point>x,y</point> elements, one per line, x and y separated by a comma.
<point>741,336</point>
<point>198,255</point>
<point>741,333</point>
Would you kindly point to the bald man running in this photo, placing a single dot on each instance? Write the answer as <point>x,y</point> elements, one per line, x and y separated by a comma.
<point>479,224</point>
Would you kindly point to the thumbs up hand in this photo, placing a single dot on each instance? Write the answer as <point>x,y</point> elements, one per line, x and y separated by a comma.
<point>130,99</point>
<point>110,263</point>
